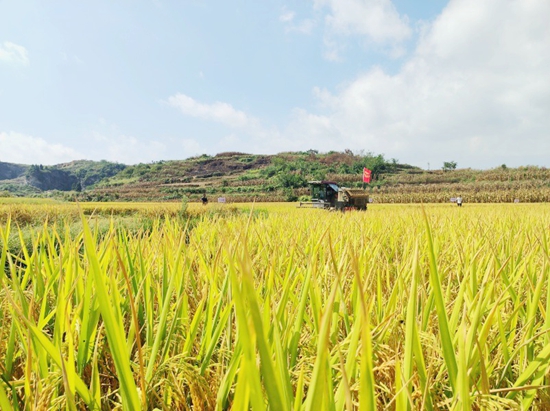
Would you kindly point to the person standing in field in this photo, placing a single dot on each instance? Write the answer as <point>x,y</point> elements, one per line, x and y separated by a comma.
<point>459,201</point>
<point>204,199</point>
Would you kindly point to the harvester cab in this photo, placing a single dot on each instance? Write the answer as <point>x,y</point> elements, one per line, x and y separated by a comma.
<point>328,195</point>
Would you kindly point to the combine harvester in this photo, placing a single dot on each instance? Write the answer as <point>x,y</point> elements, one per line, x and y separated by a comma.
<point>328,195</point>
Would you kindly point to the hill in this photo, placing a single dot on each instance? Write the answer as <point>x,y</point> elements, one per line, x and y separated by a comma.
<point>16,179</point>
<point>238,176</point>
<point>10,171</point>
<point>241,177</point>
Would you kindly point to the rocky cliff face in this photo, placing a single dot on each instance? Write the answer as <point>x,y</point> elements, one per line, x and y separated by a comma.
<point>9,171</point>
<point>51,179</point>
<point>76,175</point>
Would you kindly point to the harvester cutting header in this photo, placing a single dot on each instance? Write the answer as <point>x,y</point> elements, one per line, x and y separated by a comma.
<point>328,195</point>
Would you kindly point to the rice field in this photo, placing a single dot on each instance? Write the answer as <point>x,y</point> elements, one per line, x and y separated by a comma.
<point>270,307</point>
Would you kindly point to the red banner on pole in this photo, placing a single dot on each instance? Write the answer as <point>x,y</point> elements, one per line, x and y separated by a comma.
<point>366,175</point>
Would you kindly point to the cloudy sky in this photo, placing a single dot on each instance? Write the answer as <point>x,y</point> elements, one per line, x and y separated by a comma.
<point>422,81</point>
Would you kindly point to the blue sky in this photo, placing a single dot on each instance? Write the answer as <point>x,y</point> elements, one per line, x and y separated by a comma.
<point>138,81</point>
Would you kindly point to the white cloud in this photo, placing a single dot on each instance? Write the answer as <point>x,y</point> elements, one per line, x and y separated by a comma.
<point>190,146</point>
<point>24,149</point>
<point>113,146</point>
<point>13,54</point>
<point>476,90</point>
<point>287,16</point>
<point>376,20</point>
<point>333,49</point>
<point>71,59</point>
<point>304,26</point>
<point>126,149</point>
<point>248,135</point>
<point>223,113</point>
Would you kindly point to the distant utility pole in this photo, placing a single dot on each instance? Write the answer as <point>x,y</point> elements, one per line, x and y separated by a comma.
<point>428,166</point>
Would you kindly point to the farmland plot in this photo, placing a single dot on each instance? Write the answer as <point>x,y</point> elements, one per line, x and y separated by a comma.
<point>399,307</point>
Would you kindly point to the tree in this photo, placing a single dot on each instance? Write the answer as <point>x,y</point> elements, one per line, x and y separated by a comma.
<point>288,180</point>
<point>449,165</point>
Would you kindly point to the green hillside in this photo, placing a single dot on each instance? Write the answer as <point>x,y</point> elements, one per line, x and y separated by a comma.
<point>38,180</point>
<point>241,177</point>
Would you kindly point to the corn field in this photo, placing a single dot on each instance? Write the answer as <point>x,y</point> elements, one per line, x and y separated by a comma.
<point>402,307</point>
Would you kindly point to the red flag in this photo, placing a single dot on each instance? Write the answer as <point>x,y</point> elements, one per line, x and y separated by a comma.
<point>366,175</point>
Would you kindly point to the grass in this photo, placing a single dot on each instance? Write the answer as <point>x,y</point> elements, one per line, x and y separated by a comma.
<point>273,307</point>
